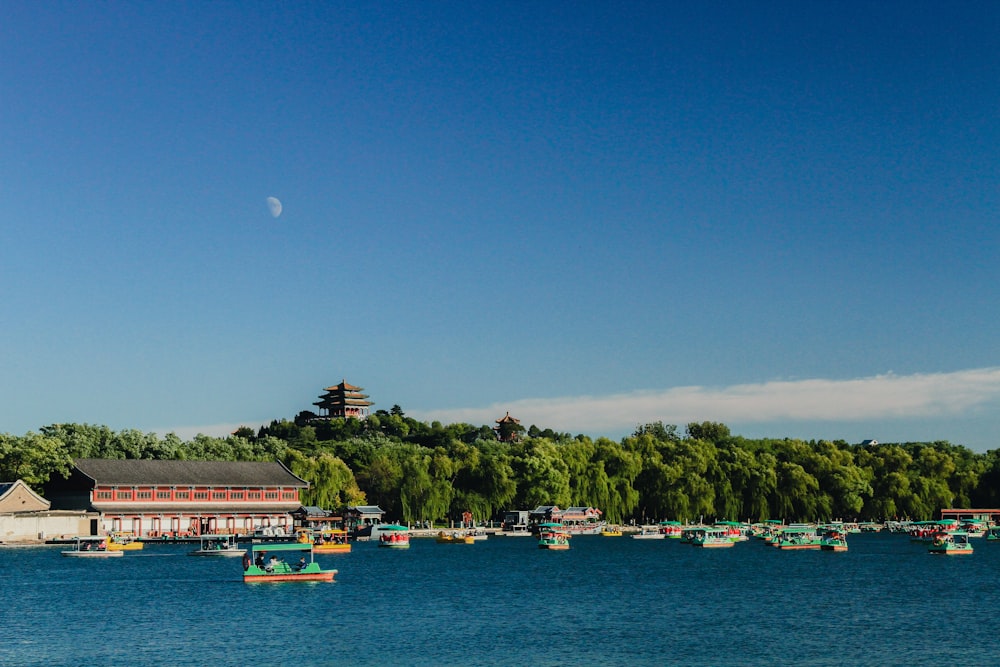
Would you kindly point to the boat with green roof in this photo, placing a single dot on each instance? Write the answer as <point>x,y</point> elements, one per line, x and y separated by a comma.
<point>258,566</point>
<point>950,543</point>
<point>553,536</point>
<point>393,536</point>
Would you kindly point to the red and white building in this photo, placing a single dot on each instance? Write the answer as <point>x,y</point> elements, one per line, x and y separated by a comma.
<point>181,498</point>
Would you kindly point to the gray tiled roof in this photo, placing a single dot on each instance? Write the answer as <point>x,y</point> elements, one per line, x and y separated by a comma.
<point>179,473</point>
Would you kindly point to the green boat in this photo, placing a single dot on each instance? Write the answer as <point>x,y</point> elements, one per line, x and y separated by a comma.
<point>797,538</point>
<point>950,543</point>
<point>552,536</point>
<point>265,562</point>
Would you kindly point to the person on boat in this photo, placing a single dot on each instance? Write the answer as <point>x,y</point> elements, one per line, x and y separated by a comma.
<point>260,559</point>
<point>301,564</point>
<point>271,564</point>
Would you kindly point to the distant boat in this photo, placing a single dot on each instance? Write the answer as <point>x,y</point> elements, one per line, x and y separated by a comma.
<point>95,546</point>
<point>649,533</point>
<point>712,538</point>
<point>552,536</point>
<point>122,541</point>
<point>393,536</point>
<point>455,537</point>
<point>797,538</point>
<point>950,543</point>
<point>218,545</point>
<point>833,540</point>
<point>611,531</point>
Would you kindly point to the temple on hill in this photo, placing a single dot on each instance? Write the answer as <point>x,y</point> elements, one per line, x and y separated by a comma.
<point>343,400</point>
<point>508,428</point>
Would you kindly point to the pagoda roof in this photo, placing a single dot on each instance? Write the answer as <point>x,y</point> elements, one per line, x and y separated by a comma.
<point>507,418</point>
<point>344,386</point>
<point>191,473</point>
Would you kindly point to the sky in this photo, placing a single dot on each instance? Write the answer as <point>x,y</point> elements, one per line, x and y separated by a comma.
<point>781,216</point>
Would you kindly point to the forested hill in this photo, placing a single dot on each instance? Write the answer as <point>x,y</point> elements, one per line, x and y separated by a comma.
<point>418,471</point>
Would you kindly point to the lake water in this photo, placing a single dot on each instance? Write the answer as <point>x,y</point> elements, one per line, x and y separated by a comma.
<point>606,601</point>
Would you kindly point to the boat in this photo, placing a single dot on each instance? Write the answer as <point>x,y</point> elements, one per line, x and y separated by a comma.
<point>950,543</point>
<point>833,540</point>
<point>218,545</point>
<point>331,541</point>
<point>611,531</point>
<point>552,536</point>
<point>259,567</point>
<point>479,534</point>
<point>455,537</point>
<point>717,537</point>
<point>123,541</point>
<point>393,536</point>
<point>671,529</point>
<point>974,527</point>
<point>797,538</point>
<point>649,533</point>
<point>95,546</point>
<point>993,534</point>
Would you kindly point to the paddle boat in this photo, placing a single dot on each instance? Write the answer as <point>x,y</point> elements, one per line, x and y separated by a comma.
<point>455,537</point>
<point>123,541</point>
<point>552,536</point>
<point>649,533</point>
<point>974,527</point>
<point>712,538</point>
<point>265,563</point>
<point>393,536</point>
<point>611,531</point>
<point>993,534</point>
<point>833,540</point>
<point>95,546</point>
<point>797,538</point>
<point>331,540</point>
<point>217,545</point>
<point>950,543</point>
<point>671,529</point>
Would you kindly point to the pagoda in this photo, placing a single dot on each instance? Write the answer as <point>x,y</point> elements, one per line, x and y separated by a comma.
<point>343,400</point>
<point>508,428</point>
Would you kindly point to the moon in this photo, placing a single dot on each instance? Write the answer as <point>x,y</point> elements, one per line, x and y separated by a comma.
<point>274,205</point>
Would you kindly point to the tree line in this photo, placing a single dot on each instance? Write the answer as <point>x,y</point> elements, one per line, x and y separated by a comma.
<point>418,471</point>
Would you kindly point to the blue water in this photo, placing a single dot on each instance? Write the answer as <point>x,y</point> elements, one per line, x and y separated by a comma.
<point>606,601</point>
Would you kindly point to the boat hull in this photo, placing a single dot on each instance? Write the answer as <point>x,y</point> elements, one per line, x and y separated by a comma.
<point>331,548</point>
<point>554,547</point>
<point>325,575</point>
<point>225,553</point>
<point>93,554</point>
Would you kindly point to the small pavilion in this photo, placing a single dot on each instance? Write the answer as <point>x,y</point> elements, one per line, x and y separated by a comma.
<point>508,428</point>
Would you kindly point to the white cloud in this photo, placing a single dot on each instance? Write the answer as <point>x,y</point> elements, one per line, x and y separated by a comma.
<point>887,396</point>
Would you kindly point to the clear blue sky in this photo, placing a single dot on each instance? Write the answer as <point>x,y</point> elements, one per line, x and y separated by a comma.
<point>782,216</point>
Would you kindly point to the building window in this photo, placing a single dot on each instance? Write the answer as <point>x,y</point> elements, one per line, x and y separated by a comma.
<point>104,495</point>
<point>182,495</point>
<point>201,495</point>
<point>271,495</point>
<point>143,495</point>
<point>289,495</point>
<point>236,495</point>
<point>218,495</point>
<point>254,495</point>
<point>123,495</point>
<point>163,495</point>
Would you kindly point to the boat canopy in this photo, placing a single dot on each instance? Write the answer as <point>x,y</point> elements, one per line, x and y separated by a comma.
<point>392,526</point>
<point>281,546</point>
